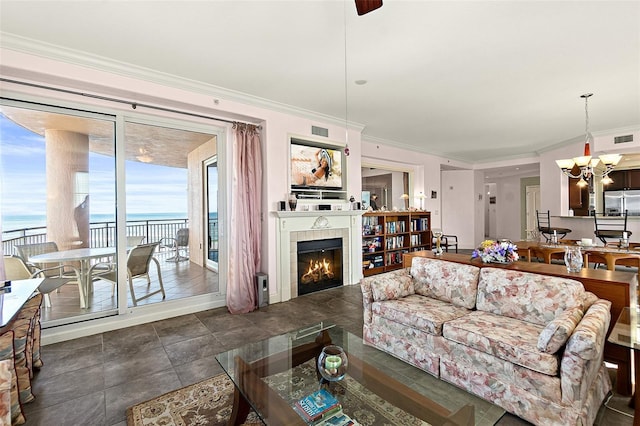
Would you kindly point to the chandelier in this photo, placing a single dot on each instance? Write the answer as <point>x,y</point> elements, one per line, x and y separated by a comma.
<point>586,163</point>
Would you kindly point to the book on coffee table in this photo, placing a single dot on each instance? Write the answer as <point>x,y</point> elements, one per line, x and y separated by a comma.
<point>337,419</point>
<point>317,406</point>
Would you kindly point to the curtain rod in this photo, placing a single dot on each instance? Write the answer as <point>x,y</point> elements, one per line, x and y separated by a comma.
<point>133,104</point>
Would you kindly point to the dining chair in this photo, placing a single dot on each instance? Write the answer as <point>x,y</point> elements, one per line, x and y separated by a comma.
<point>138,265</point>
<point>612,228</point>
<point>16,269</point>
<point>179,242</point>
<point>447,241</point>
<point>545,228</point>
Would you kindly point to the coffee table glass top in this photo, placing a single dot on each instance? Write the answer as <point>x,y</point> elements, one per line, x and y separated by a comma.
<point>626,331</point>
<point>272,374</point>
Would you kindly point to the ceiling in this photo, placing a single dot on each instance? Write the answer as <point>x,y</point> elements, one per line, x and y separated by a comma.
<point>477,81</point>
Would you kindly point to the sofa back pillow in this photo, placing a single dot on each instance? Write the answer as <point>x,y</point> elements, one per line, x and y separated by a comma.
<point>557,332</point>
<point>530,297</point>
<point>391,285</point>
<point>451,282</point>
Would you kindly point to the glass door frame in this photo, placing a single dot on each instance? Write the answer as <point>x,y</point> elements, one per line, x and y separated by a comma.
<point>211,264</point>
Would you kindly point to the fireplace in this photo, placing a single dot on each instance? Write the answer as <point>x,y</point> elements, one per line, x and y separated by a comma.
<point>314,225</point>
<point>319,265</point>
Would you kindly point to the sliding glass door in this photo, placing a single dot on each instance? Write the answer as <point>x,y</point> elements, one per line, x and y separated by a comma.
<point>58,178</point>
<point>166,206</point>
<point>60,173</point>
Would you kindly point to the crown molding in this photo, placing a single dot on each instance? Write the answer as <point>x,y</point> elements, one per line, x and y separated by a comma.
<point>100,63</point>
<point>619,131</point>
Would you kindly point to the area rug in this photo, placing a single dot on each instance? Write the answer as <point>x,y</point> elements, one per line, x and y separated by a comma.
<point>207,403</point>
<point>210,401</point>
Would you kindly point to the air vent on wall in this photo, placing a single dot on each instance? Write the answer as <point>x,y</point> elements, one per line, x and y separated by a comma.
<point>319,131</point>
<point>623,139</point>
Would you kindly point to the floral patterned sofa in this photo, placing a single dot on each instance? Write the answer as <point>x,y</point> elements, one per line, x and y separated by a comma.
<point>530,343</point>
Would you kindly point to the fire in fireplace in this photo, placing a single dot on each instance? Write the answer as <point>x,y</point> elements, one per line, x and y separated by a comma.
<point>319,265</point>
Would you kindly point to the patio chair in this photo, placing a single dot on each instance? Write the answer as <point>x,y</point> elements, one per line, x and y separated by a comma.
<point>180,242</point>
<point>612,228</point>
<point>138,263</point>
<point>134,240</point>
<point>16,269</point>
<point>25,251</point>
<point>545,228</point>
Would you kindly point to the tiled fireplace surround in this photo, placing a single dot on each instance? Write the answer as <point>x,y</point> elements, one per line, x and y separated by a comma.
<point>315,225</point>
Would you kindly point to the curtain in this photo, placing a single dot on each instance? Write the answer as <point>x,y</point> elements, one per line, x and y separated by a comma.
<point>246,212</point>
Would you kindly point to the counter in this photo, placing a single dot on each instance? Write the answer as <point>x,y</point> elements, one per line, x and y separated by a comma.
<point>583,226</point>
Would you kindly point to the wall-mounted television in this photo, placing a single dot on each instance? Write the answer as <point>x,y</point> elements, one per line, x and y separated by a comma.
<point>316,166</point>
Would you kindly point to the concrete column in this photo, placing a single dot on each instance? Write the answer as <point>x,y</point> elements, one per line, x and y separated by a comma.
<point>67,155</point>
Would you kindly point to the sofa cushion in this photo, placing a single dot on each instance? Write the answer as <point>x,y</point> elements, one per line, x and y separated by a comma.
<point>418,311</point>
<point>556,333</point>
<point>506,338</point>
<point>391,285</point>
<point>527,296</point>
<point>447,281</point>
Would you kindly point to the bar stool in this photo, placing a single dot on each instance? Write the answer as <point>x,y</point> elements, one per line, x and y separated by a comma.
<point>545,228</point>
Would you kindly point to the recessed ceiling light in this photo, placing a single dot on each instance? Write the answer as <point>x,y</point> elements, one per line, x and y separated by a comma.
<point>361,82</point>
<point>517,168</point>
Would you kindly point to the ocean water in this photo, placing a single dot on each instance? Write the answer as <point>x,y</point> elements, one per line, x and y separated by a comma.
<point>13,222</point>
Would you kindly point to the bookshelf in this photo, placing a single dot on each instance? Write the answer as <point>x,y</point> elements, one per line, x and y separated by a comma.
<point>387,236</point>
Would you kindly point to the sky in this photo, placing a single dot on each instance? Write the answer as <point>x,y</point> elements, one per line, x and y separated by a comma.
<point>150,188</point>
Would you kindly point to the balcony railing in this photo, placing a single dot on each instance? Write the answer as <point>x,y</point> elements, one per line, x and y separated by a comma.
<point>102,234</point>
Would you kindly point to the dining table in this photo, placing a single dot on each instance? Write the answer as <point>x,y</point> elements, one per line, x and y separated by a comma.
<point>609,255</point>
<point>83,256</point>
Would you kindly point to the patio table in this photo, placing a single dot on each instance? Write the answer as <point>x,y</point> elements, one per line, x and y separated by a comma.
<point>82,255</point>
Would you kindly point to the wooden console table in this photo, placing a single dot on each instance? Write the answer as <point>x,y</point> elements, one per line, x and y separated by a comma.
<point>618,287</point>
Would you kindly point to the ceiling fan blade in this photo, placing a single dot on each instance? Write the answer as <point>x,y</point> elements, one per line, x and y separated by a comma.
<point>366,6</point>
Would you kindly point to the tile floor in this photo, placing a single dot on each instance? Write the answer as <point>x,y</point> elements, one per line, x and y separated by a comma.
<point>92,380</point>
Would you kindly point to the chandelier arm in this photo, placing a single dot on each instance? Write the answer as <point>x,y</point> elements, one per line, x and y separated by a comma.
<point>604,173</point>
<point>568,173</point>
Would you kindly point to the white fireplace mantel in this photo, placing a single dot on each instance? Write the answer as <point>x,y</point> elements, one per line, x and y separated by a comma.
<point>310,225</point>
<point>316,213</point>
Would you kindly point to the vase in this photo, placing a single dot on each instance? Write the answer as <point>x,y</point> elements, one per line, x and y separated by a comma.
<point>293,202</point>
<point>332,363</point>
<point>573,258</point>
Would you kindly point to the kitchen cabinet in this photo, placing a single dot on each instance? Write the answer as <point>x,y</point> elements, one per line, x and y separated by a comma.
<point>624,179</point>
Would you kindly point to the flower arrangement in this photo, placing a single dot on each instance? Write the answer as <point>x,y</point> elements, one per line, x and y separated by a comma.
<point>496,251</point>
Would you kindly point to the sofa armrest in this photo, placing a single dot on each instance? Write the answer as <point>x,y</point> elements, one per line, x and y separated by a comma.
<point>367,298</point>
<point>386,286</point>
<point>584,353</point>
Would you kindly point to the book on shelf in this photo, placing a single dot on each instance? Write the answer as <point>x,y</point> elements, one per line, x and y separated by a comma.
<point>318,406</point>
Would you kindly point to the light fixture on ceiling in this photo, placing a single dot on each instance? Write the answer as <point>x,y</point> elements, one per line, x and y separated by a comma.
<point>144,156</point>
<point>585,162</point>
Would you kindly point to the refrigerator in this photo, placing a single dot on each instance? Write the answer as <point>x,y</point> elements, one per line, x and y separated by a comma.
<point>616,202</point>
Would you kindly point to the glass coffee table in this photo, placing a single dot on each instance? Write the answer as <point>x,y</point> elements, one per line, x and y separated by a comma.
<point>272,374</point>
